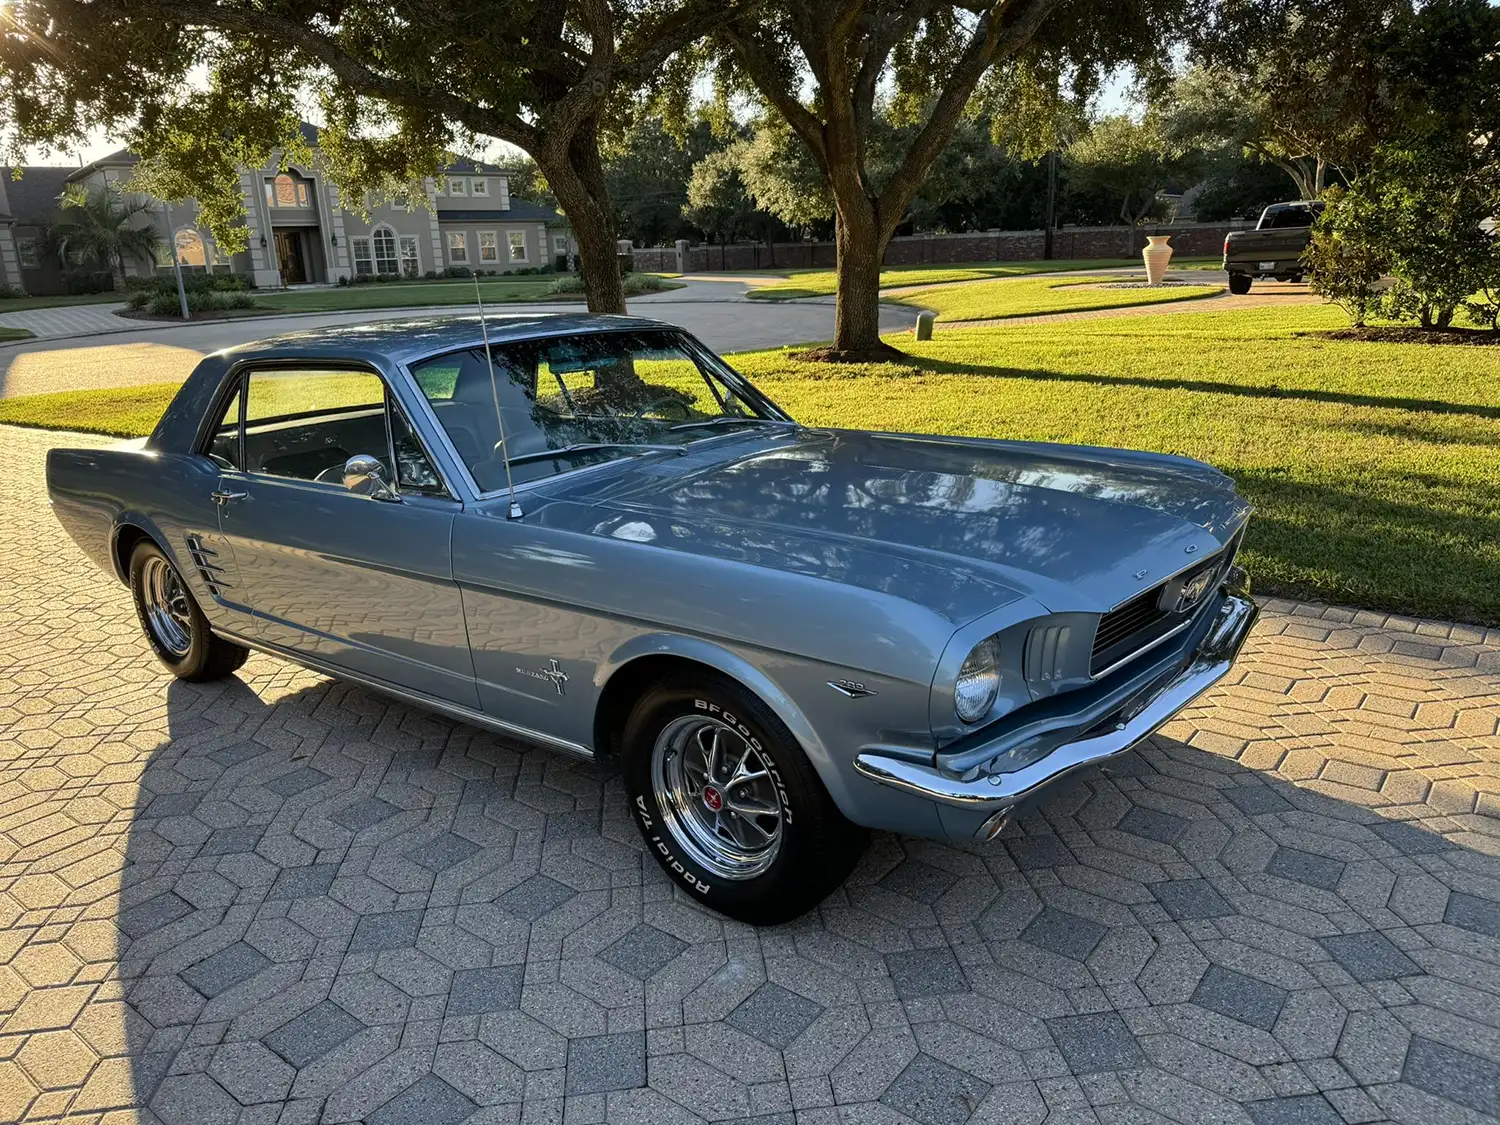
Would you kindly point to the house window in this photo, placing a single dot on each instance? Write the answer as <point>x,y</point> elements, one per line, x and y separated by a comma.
<point>26,252</point>
<point>503,191</point>
<point>458,186</point>
<point>516,239</point>
<point>191,249</point>
<point>479,186</point>
<point>559,244</point>
<point>401,201</point>
<point>411,259</point>
<point>489,246</point>
<point>385,251</point>
<point>458,247</point>
<point>286,191</point>
<point>364,264</point>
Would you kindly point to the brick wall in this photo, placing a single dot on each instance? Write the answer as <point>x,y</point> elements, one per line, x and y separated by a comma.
<point>1188,239</point>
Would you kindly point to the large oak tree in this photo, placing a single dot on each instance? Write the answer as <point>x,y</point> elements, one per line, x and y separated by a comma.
<point>831,68</point>
<point>200,87</point>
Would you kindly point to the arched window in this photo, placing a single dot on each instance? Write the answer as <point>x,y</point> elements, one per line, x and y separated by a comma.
<point>384,240</point>
<point>287,190</point>
<point>191,249</point>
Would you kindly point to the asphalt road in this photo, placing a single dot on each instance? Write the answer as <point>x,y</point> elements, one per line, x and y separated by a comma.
<point>713,310</point>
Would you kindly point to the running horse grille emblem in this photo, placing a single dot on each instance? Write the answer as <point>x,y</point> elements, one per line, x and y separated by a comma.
<point>553,674</point>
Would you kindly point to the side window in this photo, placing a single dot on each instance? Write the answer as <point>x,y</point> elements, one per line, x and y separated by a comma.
<point>304,424</point>
<point>224,445</point>
<point>414,472</point>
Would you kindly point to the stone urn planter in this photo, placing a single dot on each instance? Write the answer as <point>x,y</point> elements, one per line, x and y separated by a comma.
<point>1156,256</point>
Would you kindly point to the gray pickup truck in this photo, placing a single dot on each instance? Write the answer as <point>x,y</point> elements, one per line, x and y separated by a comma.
<point>1274,248</point>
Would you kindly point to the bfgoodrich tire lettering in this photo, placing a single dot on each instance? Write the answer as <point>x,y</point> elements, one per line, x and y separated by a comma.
<point>178,632</point>
<point>728,803</point>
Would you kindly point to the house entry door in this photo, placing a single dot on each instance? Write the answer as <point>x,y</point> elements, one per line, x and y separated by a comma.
<point>289,255</point>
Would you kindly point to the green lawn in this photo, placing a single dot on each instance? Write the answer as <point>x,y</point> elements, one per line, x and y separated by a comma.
<point>1032,296</point>
<point>14,334</point>
<point>21,304</point>
<point>820,283</point>
<point>1375,468</point>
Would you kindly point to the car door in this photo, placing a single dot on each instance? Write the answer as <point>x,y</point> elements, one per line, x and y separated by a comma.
<point>359,579</point>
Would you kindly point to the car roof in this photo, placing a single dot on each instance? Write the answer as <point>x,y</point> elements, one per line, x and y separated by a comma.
<point>405,340</point>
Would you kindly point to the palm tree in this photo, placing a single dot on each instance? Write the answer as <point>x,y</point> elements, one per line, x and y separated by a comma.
<point>99,226</point>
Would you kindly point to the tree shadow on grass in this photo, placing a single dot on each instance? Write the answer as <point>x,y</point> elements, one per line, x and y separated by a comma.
<point>1211,386</point>
<point>313,880</point>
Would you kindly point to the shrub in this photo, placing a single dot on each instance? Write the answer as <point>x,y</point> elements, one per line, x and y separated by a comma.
<point>9,291</point>
<point>431,275</point>
<point>569,284</point>
<point>79,282</point>
<point>165,303</point>
<point>1347,253</point>
<point>458,272</point>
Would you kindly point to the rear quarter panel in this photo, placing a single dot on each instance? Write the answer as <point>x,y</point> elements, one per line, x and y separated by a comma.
<point>97,492</point>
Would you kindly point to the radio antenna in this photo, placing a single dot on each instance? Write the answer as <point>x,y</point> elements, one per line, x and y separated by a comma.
<point>515,508</point>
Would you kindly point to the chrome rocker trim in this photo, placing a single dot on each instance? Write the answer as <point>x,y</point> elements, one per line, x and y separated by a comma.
<point>999,793</point>
<point>416,698</point>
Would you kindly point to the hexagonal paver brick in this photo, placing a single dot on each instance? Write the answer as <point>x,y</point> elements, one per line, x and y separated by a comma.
<point>56,1059</point>
<point>1450,1073</point>
<point>1369,956</point>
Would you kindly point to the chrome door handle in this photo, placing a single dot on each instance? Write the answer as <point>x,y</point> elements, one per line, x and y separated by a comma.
<point>223,496</point>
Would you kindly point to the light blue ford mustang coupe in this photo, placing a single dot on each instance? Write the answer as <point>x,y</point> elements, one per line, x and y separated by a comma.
<point>592,534</point>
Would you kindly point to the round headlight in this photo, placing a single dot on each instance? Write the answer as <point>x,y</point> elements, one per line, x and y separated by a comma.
<point>978,681</point>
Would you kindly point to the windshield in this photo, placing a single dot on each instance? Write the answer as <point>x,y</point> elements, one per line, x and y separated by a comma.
<point>569,401</point>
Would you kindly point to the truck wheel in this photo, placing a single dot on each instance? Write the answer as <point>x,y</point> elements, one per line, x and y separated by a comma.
<point>179,633</point>
<point>728,803</point>
<point>1239,284</point>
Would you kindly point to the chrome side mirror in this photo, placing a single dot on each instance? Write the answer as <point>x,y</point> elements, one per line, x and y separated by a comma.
<point>365,476</point>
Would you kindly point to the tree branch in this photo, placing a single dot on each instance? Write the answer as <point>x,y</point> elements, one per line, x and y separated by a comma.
<point>352,72</point>
<point>762,71</point>
<point>1005,29</point>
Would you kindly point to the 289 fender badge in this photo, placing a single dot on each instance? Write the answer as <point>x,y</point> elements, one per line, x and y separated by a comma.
<point>850,688</point>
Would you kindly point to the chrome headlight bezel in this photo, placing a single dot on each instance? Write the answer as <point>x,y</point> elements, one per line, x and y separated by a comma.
<point>977,685</point>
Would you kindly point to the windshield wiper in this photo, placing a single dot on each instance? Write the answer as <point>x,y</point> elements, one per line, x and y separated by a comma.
<point>723,419</point>
<point>590,446</point>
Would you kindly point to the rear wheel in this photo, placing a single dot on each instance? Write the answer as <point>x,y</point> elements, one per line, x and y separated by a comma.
<point>729,804</point>
<point>1239,284</point>
<point>179,633</point>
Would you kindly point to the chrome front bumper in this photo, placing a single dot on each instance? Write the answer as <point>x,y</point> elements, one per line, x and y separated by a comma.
<point>998,794</point>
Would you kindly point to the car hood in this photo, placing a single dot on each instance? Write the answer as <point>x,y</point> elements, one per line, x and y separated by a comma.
<point>962,526</point>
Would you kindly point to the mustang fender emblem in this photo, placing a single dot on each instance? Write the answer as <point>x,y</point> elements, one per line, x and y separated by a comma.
<point>850,688</point>
<point>554,674</point>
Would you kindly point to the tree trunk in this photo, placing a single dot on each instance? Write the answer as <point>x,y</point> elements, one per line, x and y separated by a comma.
<point>856,325</point>
<point>577,179</point>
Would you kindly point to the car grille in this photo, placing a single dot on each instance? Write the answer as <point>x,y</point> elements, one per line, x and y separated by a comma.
<point>1134,625</point>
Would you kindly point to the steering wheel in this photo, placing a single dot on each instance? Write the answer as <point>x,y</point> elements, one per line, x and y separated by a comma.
<point>664,400</point>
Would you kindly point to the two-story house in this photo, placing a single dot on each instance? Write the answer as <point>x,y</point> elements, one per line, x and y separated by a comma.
<point>300,230</point>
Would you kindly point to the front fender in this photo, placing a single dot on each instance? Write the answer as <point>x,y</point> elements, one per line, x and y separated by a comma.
<point>731,664</point>
<point>857,798</point>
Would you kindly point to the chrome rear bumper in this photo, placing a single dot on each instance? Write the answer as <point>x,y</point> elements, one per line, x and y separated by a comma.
<point>999,793</point>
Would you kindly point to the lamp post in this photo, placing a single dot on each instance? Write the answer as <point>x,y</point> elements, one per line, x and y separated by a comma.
<point>177,265</point>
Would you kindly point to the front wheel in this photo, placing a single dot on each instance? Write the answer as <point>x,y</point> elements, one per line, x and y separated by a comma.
<point>179,633</point>
<point>729,804</point>
<point>1239,284</point>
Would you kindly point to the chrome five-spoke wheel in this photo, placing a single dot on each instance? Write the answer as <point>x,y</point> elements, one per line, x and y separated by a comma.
<point>168,614</point>
<point>718,796</point>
